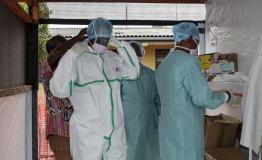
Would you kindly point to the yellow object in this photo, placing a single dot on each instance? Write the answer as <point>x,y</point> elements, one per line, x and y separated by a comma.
<point>206,61</point>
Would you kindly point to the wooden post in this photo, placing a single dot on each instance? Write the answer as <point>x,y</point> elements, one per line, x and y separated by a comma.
<point>132,1</point>
<point>17,10</point>
<point>28,2</point>
<point>32,79</point>
<point>35,11</point>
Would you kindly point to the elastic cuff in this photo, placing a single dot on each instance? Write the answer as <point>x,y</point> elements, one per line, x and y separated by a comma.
<point>227,96</point>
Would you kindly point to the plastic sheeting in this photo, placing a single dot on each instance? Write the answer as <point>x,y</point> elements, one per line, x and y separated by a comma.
<point>234,26</point>
<point>130,11</point>
<point>252,106</point>
<point>16,127</point>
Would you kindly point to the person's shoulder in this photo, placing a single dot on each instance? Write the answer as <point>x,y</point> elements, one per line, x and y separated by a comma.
<point>187,59</point>
<point>192,63</point>
<point>192,60</point>
<point>80,47</point>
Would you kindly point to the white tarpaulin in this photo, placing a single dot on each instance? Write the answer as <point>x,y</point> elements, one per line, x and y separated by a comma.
<point>252,106</point>
<point>126,11</point>
<point>15,123</point>
<point>235,26</point>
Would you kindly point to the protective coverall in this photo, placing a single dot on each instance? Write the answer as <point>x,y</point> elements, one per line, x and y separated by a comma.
<point>92,83</point>
<point>141,107</point>
<point>184,93</point>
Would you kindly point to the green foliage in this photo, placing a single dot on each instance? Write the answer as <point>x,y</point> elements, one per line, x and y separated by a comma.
<point>24,6</point>
<point>43,10</point>
<point>43,34</point>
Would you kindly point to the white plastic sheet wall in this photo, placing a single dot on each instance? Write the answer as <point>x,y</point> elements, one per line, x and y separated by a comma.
<point>16,130</point>
<point>234,26</point>
<point>251,104</point>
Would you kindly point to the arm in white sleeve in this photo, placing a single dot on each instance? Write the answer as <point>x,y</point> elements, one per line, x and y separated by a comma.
<point>130,67</point>
<point>64,76</point>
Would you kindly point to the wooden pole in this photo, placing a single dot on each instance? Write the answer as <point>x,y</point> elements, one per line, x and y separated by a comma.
<point>35,11</point>
<point>17,10</point>
<point>132,1</point>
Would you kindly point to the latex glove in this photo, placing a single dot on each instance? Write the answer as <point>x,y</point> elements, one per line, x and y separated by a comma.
<point>235,99</point>
<point>227,95</point>
<point>114,42</point>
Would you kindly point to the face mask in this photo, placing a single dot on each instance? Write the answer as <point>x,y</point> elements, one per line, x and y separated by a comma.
<point>99,48</point>
<point>194,52</point>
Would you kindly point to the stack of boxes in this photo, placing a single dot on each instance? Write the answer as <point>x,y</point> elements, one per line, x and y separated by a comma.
<point>221,134</point>
<point>216,63</point>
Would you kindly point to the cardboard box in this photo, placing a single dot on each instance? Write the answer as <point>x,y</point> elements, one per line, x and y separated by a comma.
<point>224,154</point>
<point>220,131</point>
<point>217,63</point>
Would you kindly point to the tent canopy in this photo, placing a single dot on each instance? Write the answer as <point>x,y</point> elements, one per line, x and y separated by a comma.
<point>127,11</point>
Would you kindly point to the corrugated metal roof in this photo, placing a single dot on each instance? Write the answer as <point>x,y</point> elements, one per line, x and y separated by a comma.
<point>118,32</point>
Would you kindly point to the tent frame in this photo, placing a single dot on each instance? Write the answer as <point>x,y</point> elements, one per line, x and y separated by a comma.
<point>132,1</point>
<point>115,22</point>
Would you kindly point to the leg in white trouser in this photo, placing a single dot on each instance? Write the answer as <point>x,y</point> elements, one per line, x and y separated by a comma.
<point>118,149</point>
<point>92,151</point>
<point>116,153</point>
<point>260,150</point>
<point>85,144</point>
<point>250,154</point>
<point>260,153</point>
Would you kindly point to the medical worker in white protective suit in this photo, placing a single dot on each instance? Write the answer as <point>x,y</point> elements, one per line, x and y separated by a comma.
<point>90,76</point>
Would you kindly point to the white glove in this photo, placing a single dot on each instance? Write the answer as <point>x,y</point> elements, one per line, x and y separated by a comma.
<point>114,42</point>
<point>235,99</point>
<point>227,95</point>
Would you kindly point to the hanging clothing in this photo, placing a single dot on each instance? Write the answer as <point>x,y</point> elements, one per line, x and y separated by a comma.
<point>59,110</point>
<point>92,83</point>
<point>141,107</point>
<point>184,94</point>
